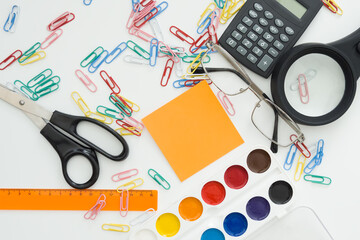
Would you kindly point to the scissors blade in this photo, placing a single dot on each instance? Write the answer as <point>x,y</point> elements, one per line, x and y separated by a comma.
<point>34,111</point>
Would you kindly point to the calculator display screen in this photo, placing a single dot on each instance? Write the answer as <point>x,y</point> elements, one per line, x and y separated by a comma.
<point>294,7</point>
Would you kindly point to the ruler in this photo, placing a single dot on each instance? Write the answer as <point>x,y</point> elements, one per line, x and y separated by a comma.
<point>73,199</point>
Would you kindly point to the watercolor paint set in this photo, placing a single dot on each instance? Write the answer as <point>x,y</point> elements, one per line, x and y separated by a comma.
<point>251,192</point>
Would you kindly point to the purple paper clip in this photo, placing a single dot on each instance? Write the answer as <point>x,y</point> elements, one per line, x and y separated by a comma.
<point>154,49</point>
<point>124,175</point>
<point>225,101</point>
<point>86,80</point>
<point>94,211</point>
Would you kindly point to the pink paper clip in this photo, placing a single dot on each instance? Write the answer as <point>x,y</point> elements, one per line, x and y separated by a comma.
<point>124,209</point>
<point>10,59</point>
<point>94,211</point>
<point>167,72</point>
<point>302,147</point>
<point>128,127</point>
<point>141,21</point>
<point>174,57</point>
<point>130,22</point>
<point>124,175</point>
<point>61,21</point>
<point>181,35</point>
<point>110,82</point>
<point>141,34</point>
<point>51,38</point>
<point>134,123</point>
<point>86,80</point>
<point>200,42</point>
<point>304,92</point>
<point>144,12</point>
<point>225,101</point>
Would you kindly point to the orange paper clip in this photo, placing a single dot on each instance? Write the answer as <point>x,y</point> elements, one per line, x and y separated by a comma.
<point>10,59</point>
<point>61,21</point>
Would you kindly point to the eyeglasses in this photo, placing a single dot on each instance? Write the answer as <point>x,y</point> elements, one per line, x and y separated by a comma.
<point>265,113</point>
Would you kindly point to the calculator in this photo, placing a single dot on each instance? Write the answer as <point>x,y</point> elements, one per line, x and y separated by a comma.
<point>264,30</point>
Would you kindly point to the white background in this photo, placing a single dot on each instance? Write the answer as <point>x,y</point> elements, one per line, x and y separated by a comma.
<point>28,161</point>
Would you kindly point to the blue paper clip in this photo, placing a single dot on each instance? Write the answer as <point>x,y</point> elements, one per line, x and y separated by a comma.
<point>317,159</point>
<point>179,83</point>
<point>159,179</point>
<point>288,164</point>
<point>98,61</point>
<point>10,21</point>
<point>121,48</point>
<point>134,3</point>
<point>204,24</point>
<point>154,49</point>
<point>161,7</point>
<point>87,2</point>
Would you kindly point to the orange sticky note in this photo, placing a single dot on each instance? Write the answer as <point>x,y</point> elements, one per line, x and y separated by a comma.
<point>193,130</point>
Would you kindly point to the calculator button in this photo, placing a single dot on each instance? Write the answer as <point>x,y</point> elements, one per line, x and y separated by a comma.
<point>247,21</point>
<point>242,28</point>
<point>253,14</point>
<point>236,35</point>
<point>274,30</point>
<point>231,42</point>
<point>247,43</point>
<point>279,23</point>
<point>284,38</point>
<point>289,31</point>
<point>241,50</point>
<point>257,51</point>
<point>268,37</point>
<point>252,36</point>
<point>278,45</point>
<point>273,52</point>
<point>263,44</point>
<point>252,58</point>
<point>258,7</point>
<point>269,15</point>
<point>265,63</point>
<point>258,29</point>
<point>263,21</point>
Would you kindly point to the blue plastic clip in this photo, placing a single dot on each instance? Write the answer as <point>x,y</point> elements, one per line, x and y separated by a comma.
<point>98,61</point>
<point>121,47</point>
<point>10,21</point>
<point>87,2</point>
<point>161,7</point>
<point>288,164</point>
<point>317,159</point>
<point>154,49</point>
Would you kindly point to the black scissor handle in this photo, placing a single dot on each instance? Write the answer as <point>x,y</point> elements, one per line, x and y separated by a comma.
<point>69,123</point>
<point>68,148</point>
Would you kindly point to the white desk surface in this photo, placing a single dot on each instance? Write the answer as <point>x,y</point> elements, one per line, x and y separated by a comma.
<point>28,161</point>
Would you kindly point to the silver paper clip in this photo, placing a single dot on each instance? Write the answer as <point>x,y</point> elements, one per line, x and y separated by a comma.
<point>143,217</point>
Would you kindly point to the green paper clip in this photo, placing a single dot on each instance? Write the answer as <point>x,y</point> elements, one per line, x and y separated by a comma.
<point>191,58</point>
<point>109,112</point>
<point>92,57</point>
<point>26,90</point>
<point>138,50</point>
<point>317,179</point>
<point>159,179</point>
<point>121,104</point>
<point>40,78</point>
<point>29,52</point>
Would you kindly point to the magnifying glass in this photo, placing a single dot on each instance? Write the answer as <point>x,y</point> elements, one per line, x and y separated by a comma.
<point>315,83</point>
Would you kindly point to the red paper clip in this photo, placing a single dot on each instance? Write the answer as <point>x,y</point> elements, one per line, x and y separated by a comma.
<point>110,82</point>
<point>130,22</point>
<point>200,42</point>
<point>145,3</point>
<point>51,38</point>
<point>129,128</point>
<point>304,92</point>
<point>167,72</point>
<point>61,21</point>
<point>10,59</point>
<point>332,6</point>
<point>139,22</point>
<point>181,35</point>
<point>225,101</point>
<point>174,57</point>
<point>121,104</point>
<point>302,148</point>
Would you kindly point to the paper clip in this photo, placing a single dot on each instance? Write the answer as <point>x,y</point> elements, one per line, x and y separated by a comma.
<point>143,217</point>
<point>191,58</point>
<point>39,78</point>
<point>174,50</point>
<point>47,86</point>
<point>121,104</point>
<point>134,123</point>
<point>301,146</point>
<point>94,211</point>
<point>154,48</point>
<point>179,83</point>
<point>131,128</point>
<point>124,207</point>
<point>161,8</point>
<point>133,14</point>
<point>145,3</point>
<point>109,112</point>
<point>167,72</point>
<point>300,164</point>
<point>181,35</point>
<point>110,82</point>
<point>33,58</point>
<point>288,164</point>
<point>100,117</point>
<point>333,6</point>
<point>115,227</point>
<point>205,24</point>
<point>195,63</point>
<point>141,14</point>
<point>92,56</point>
<point>317,179</point>
<point>135,59</point>
<point>208,10</point>
<point>141,21</point>
<point>60,21</point>
<point>303,89</point>
<point>228,9</point>
<point>141,34</point>
<point>134,4</point>
<point>225,101</point>
<point>127,131</point>
<point>155,27</point>
<point>159,179</point>
<point>26,90</point>
<point>133,106</point>
<point>179,69</point>
<point>200,42</point>
<point>138,50</point>
<point>98,61</point>
<point>220,3</point>
<point>124,175</point>
<point>51,38</point>
<point>87,2</point>
<point>130,185</point>
<point>10,59</point>
<point>173,56</point>
<point>11,20</point>
<point>317,159</point>
<point>86,80</point>
<point>309,74</point>
<point>120,48</point>
<point>29,52</point>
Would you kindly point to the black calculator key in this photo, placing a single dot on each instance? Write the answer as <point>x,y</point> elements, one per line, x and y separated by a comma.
<point>236,35</point>
<point>263,44</point>
<point>274,30</point>
<point>268,37</point>
<point>258,7</point>
<point>289,31</point>
<point>231,42</point>
<point>242,28</point>
<point>265,63</point>
<point>278,45</point>
<point>258,29</point>
<point>263,22</point>
<point>269,15</point>
<point>247,21</point>
<point>247,43</point>
<point>241,50</point>
<point>252,36</point>
<point>257,51</point>
<point>252,58</point>
<point>279,23</point>
<point>253,14</point>
<point>284,38</point>
<point>273,52</point>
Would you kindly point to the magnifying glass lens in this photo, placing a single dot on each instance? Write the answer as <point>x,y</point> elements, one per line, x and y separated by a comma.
<point>314,85</point>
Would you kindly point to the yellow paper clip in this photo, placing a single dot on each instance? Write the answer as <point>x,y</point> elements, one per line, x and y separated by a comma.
<point>130,185</point>
<point>115,227</point>
<point>127,132</point>
<point>301,164</point>
<point>210,8</point>
<point>230,8</point>
<point>133,105</point>
<point>196,63</point>
<point>195,76</point>
<point>333,6</point>
<point>101,117</point>
<point>35,57</point>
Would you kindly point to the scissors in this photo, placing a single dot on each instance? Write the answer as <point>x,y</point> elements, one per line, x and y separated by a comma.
<point>65,146</point>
